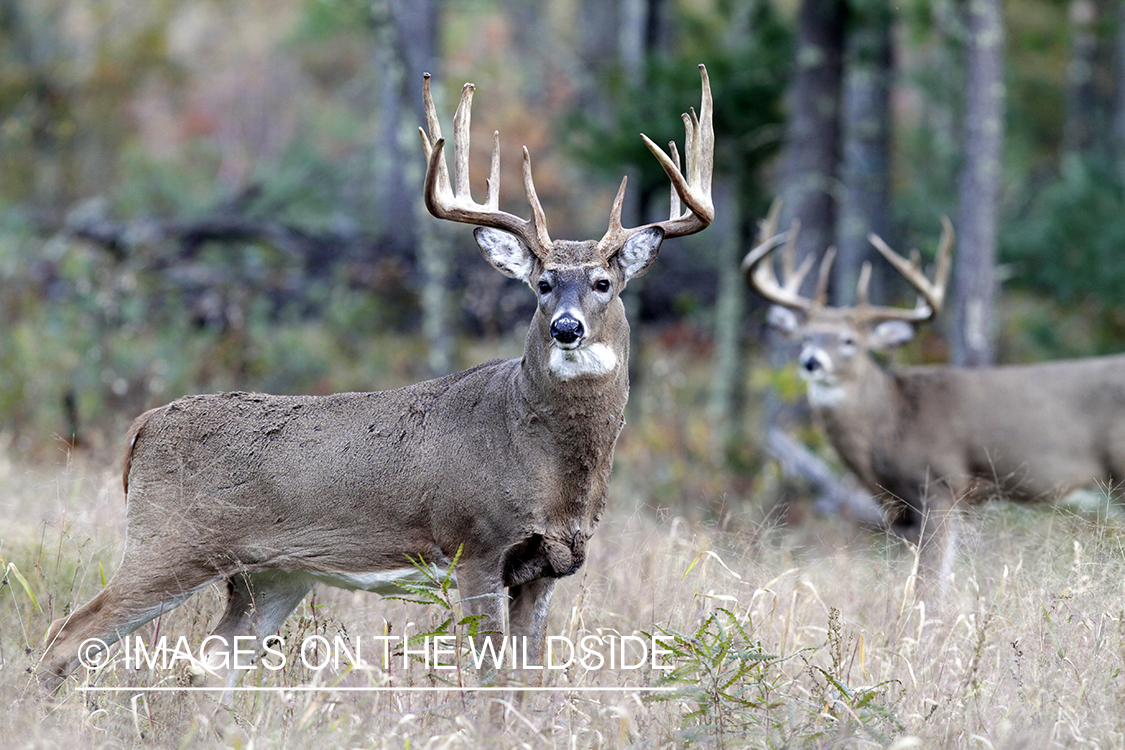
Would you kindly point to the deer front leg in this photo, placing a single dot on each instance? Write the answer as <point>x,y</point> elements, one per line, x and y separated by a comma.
<point>527,622</point>
<point>937,539</point>
<point>482,596</point>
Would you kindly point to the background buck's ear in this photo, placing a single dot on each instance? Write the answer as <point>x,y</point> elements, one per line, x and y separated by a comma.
<point>889,334</point>
<point>783,319</point>
<point>506,252</point>
<point>639,251</point>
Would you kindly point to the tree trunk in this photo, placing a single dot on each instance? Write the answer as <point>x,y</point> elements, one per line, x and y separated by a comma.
<point>812,139</point>
<point>1080,126</point>
<point>865,172</point>
<point>1117,116</point>
<point>810,151</point>
<point>979,185</point>
<point>415,38</point>
<point>728,373</point>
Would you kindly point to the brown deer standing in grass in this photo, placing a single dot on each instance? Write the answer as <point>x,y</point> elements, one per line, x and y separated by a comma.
<point>924,439</point>
<point>507,463</point>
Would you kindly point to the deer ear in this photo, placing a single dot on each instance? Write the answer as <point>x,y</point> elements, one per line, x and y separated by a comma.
<point>889,334</point>
<point>783,319</point>
<point>506,253</point>
<point>639,251</point>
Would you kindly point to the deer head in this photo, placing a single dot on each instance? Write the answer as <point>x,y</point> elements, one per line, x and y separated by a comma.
<point>835,341</point>
<point>580,315</point>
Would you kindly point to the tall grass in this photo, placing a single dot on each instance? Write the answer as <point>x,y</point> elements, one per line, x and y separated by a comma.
<point>803,637</point>
<point>799,635</point>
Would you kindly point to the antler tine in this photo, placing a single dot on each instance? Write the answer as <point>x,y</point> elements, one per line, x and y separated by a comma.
<point>458,205</point>
<point>674,212</point>
<point>694,190</point>
<point>864,283</point>
<point>931,294</point>
<point>461,122</point>
<point>538,218</point>
<point>758,265</point>
<point>823,275</point>
<point>492,196</point>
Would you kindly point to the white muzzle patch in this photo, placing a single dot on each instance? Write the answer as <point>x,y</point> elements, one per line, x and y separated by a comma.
<point>824,388</point>
<point>586,361</point>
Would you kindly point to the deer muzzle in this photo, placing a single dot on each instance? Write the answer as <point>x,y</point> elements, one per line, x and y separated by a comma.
<point>815,364</point>
<point>567,331</point>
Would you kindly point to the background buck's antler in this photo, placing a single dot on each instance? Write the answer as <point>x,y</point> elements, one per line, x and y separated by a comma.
<point>931,295</point>
<point>758,264</point>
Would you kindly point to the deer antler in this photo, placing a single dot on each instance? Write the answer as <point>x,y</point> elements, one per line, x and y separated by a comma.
<point>694,189</point>
<point>931,294</point>
<point>758,264</point>
<point>444,203</point>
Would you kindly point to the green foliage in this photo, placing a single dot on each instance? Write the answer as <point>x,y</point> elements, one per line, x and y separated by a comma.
<point>1067,244</point>
<point>432,587</point>
<point>735,692</point>
<point>723,676</point>
<point>747,70</point>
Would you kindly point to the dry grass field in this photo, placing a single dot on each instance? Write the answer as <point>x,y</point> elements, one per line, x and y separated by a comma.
<point>798,635</point>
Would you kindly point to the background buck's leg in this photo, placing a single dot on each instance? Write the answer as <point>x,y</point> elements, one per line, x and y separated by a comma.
<point>937,540</point>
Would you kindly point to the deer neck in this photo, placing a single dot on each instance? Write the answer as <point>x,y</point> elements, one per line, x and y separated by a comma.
<point>861,407</point>
<point>582,409</point>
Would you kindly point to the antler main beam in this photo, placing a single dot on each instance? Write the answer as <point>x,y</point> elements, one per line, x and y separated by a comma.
<point>458,205</point>
<point>691,187</point>
<point>758,265</point>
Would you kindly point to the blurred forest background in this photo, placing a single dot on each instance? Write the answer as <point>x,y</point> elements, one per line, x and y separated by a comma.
<point>202,195</point>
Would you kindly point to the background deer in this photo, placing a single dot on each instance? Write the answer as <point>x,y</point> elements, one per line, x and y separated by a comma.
<point>507,462</point>
<point>924,439</point>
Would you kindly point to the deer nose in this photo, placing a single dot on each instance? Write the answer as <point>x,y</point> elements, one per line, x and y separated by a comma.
<point>811,364</point>
<point>566,329</point>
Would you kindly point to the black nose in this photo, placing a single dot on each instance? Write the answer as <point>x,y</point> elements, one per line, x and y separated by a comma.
<point>811,364</point>
<point>566,330</point>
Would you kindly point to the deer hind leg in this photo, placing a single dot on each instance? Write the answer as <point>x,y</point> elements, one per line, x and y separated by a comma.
<point>141,589</point>
<point>257,605</point>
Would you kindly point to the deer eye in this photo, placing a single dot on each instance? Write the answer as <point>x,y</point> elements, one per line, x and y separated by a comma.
<point>601,285</point>
<point>544,287</point>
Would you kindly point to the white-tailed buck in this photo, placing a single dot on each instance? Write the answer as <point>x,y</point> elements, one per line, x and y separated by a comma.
<point>508,462</point>
<point>924,439</point>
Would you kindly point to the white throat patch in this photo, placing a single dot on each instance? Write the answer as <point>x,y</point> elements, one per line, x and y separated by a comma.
<point>825,395</point>
<point>594,360</point>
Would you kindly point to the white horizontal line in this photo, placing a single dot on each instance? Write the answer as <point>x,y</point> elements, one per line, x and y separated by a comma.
<point>371,689</point>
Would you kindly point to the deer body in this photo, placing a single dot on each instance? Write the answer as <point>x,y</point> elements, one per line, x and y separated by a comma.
<point>506,464</point>
<point>354,483</point>
<point>925,439</point>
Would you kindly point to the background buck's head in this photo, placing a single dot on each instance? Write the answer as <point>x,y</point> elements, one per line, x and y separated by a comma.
<point>577,283</point>
<point>835,341</point>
